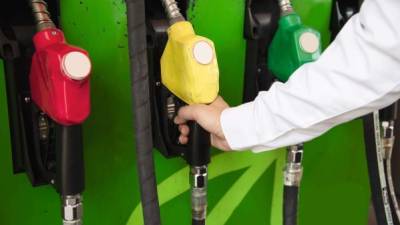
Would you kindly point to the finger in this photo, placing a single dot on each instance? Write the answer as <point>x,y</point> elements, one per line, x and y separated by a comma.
<point>183,140</point>
<point>189,112</point>
<point>184,129</point>
<point>179,120</point>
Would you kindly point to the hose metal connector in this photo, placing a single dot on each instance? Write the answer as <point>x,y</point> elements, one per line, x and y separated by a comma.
<point>198,183</point>
<point>286,7</point>
<point>388,137</point>
<point>42,16</point>
<point>72,209</point>
<point>173,13</point>
<point>294,170</point>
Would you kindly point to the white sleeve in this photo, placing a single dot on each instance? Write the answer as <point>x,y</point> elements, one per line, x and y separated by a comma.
<point>357,74</point>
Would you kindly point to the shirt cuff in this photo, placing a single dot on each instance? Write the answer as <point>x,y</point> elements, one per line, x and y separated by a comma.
<point>238,126</point>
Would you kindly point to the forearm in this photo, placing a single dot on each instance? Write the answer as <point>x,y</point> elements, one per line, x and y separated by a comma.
<point>358,73</point>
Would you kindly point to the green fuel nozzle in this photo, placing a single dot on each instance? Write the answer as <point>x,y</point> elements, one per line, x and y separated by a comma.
<point>293,45</point>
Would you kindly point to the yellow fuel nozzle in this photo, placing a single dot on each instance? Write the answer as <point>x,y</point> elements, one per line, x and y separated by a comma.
<point>189,67</point>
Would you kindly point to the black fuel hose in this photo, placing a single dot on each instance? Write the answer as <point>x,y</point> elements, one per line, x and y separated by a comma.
<point>379,191</point>
<point>290,201</point>
<point>141,109</point>
<point>292,180</point>
<point>388,118</point>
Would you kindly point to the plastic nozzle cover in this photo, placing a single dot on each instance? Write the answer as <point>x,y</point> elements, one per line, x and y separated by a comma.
<point>59,78</point>
<point>189,67</point>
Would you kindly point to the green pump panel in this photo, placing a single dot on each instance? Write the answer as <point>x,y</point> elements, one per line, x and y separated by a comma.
<point>243,186</point>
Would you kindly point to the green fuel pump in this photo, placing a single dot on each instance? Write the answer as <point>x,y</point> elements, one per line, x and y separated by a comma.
<point>293,45</point>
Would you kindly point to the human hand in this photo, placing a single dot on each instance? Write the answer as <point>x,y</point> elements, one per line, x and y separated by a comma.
<point>208,117</point>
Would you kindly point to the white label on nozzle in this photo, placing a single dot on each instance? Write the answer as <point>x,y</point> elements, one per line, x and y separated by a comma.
<point>203,52</point>
<point>309,42</point>
<point>76,65</point>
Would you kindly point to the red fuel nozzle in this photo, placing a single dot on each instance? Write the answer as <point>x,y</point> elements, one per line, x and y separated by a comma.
<point>59,78</point>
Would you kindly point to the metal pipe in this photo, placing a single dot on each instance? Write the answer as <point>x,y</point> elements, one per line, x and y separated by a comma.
<point>42,15</point>
<point>173,13</point>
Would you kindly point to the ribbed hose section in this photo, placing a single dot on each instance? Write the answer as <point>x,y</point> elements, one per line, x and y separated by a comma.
<point>290,201</point>
<point>141,109</point>
<point>172,10</point>
<point>286,7</point>
<point>42,16</point>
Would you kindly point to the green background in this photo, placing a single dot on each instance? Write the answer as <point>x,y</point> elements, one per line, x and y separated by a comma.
<point>243,188</point>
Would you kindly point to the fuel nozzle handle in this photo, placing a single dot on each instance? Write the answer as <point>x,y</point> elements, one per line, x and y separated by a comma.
<point>189,70</point>
<point>65,98</point>
<point>70,177</point>
<point>199,146</point>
